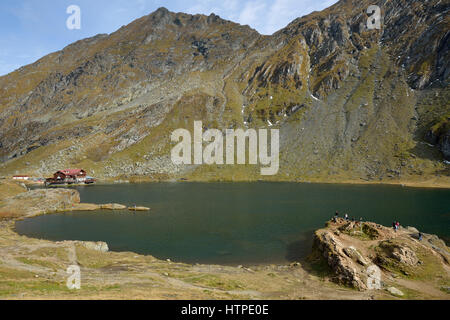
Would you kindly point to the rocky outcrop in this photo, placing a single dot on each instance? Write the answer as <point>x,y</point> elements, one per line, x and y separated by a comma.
<point>40,201</point>
<point>97,246</point>
<point>346,262</point>
<point>352,252</point>
<point>402,253</point>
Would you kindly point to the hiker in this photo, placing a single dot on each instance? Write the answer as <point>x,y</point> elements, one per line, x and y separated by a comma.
<point>397,224</point>
<point>346,217</point>
<point>394,226</point>
<point>420,236</point>
<point>336,215</point>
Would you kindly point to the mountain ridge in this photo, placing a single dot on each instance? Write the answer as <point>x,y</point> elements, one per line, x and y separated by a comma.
<point>349,102</point>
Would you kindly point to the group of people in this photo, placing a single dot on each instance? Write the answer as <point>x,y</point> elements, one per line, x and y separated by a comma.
<point>395,225</point>
<point>346,217</point>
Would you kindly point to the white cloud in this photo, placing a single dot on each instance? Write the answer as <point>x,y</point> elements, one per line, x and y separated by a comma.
<point>266,16</point>
<point>36,35</point>
<point>282,12</point>
<point>252,12</point>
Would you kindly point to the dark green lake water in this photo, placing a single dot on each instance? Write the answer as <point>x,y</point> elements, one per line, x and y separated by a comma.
<point>235,223</point>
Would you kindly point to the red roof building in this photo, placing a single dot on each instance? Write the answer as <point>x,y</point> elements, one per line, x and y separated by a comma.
<point>69,173</point>
<point>74,172</point>
<point>69,176</point>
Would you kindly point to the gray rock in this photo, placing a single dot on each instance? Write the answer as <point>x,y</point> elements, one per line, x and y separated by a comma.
<point>412,229</point>
<point>394,291</point>
<point>351,252</point>
<point>97,246</point>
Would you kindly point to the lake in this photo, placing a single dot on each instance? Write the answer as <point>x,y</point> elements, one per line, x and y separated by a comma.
<point>235,223</point>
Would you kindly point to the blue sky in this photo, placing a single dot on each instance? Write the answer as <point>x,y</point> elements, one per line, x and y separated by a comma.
<point>30,29</point>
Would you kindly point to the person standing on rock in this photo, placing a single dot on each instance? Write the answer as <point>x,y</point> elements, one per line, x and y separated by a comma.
<point>336,215</point>
<point>346,217</point>
<point>397,225</point>
<point>394,226</point>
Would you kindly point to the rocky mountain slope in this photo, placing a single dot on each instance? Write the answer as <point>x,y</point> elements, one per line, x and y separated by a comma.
<point>366,255</point>
<point>351,103</point>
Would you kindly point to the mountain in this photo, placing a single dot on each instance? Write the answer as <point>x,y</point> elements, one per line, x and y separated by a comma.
<point>351,103</point>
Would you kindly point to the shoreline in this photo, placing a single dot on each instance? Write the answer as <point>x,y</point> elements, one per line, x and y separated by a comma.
<point>192,264</point>
<point>408,184</point>
<point>238,281</point>
<point>129,275</point>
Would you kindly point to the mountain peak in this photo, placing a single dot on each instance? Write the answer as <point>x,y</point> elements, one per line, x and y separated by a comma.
<point>161,12</point>
<point>114,96</point>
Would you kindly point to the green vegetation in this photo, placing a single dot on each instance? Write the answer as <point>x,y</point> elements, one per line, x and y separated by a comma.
<point>212,281</point>
<point>428,267</point>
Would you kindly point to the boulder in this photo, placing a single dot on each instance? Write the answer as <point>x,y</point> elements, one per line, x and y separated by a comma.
<point>97,246</point>
<point>394,291</point>
<point>113,206</point>
<point>138,209</point>
<point>354,254</point>
<point>412,230</point>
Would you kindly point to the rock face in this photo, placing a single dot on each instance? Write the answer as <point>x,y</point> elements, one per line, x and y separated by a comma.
<point>402,253</point>
<point>356,102</point>
<point>352,252</point>
<point>445,145</point>
<point>343,260</point>
<point>439,135</point>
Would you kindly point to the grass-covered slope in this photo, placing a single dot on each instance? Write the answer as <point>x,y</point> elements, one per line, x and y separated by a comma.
<point>351,104</point>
